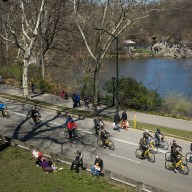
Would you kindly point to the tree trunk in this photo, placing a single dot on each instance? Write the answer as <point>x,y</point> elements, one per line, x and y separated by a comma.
<point>96,88</point>
<point>42,65</point>
<point>25,78</point>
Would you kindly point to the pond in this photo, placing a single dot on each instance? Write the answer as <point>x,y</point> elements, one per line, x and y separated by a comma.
<point>163,75</point>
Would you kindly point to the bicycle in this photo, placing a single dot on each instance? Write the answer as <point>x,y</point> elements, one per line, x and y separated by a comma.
<point>38,120</point>
<point>189,157</point>
<point>6,114</point>
<point>108,143</point>
<point>161,144</point>
<point>66,133</point>
<point>153,147</point>
<point>149,154</point>
<point>181,166</point>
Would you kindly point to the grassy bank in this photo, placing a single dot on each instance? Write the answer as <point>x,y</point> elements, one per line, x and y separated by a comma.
<point>20,174</point>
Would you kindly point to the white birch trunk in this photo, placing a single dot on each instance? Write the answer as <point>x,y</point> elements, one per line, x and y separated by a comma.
<point>25,78</point>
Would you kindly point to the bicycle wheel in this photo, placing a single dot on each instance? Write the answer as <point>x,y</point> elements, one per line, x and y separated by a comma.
<point>168,165</point>
<point>154,147</point>
<point>184,160</point>
<point>184,169</point>
<point>189,157</point>
<point>151,157</point>
<point>138,153</point>
<point>168,156</point>
<point>164,145</point>
<point>99,142</point>
<point>111,145</point>
<point>65,132</point>
<point>31,121</point>
<point>7,114</point>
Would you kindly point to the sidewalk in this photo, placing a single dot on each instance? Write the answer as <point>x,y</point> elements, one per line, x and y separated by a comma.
<point>141,117</point>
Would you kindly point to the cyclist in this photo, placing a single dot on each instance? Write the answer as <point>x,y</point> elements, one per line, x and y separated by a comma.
<point>71,126</point>
<point>157,136</point>
<point>104,136</point>
<point>34,114</point>
<point>98,123</point>
<point>144,145</point>
<point>69,117</point>
<point>175,154</point>
<point>2,108</point>
<point>147,136</point>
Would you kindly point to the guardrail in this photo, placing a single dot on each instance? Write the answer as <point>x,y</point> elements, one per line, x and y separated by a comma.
<point>137,185</point>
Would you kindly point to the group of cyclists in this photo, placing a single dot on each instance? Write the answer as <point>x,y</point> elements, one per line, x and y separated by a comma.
<point>175,154</point>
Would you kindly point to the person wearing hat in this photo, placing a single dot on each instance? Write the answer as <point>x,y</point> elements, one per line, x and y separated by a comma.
<point>175,154</point>
<point>147,136</point>
<point>157,136</point>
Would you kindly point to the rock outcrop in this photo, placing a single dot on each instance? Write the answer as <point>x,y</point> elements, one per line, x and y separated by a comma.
<point>174,51</point>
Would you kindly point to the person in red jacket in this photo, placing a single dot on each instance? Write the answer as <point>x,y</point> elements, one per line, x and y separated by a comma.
<point>71,126</point>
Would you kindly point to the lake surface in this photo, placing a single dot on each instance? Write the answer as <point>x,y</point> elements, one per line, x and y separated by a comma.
<point>163,75</point>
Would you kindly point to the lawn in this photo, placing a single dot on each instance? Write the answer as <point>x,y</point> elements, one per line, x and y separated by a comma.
<point>20,174</point>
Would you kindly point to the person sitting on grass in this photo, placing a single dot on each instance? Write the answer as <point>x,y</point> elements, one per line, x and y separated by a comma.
<point>78,162</point>
<point>97,167</point>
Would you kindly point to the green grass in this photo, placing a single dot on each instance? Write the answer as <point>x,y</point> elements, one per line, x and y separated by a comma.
<point>20,174</point>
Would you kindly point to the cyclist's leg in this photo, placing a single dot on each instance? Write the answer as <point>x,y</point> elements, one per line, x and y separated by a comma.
<point>173,159</point>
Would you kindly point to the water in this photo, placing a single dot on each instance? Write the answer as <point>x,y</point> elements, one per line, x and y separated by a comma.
<point>163,75</point>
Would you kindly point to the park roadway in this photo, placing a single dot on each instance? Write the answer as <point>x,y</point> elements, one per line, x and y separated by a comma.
<point>122,160</point>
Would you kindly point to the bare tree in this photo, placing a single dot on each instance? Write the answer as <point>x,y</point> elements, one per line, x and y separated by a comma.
<point>111,17</point>
<point>51,27</point>
<point>26,36</point>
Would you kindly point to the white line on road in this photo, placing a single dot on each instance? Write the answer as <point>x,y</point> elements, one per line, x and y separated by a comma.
<point>124,158</point>
<point>89,132</point>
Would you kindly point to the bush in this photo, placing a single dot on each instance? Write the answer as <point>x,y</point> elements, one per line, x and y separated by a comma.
<point>135,95</point>
<point>44,86</point>
<point>177,105</point>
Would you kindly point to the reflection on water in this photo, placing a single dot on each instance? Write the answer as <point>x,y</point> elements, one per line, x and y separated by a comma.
<point>163,75</point>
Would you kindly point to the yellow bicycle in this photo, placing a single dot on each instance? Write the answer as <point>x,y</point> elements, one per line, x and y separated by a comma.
<point>181,166</point>
<point>149,154</point>
<point>108,143</point>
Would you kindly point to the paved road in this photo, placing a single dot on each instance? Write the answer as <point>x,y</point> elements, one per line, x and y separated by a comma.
<point>141,117</point>
<point>122,161</point>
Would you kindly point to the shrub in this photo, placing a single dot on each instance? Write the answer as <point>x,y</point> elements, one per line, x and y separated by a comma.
<point>133,94</point>
<point>177,105</point>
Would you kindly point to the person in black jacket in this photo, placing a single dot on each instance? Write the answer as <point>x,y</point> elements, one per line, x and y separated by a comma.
<point>175,155</point>
<point>99,161</point>
<point>116,120</point>
<point>78,162</point>
<point>103,136</point>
